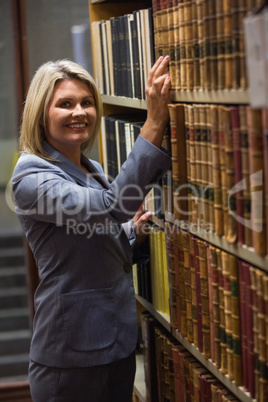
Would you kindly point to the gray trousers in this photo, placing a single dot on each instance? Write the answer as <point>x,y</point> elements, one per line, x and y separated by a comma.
<point>108,383</point>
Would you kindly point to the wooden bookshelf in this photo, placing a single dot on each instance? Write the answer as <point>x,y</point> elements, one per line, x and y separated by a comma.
<point>218,97</point>
<point>237,391</point>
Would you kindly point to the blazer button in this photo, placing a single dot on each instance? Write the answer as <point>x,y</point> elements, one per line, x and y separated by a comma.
<point>127,267</point>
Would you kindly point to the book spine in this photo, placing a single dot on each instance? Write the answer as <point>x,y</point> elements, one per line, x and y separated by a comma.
<point>230,201</point>
<point>204,297</point>
<point>204,194</point>
<point>171,43</point>
<point>243,317</point>
<point>215,306</point>
<point>179,164</point>
<point>228,312</point>
<point>222,314</point>
<point>213,44</point>
<point>193,289</point>
<point>188,289</point>
<point>189,54</point>
<point>228,55</point>
<point>236,325</point>
<point>182,291</point>
<point>220,44</point>
<point>256,350</point>
<point>198,296</point>
<point>245,176</point>
<point>183,74</point>
<point>195,45</point>
<point>216,170</point>
<point>197,184</point>
<point>200,35</point>
<point>210,188</point>
<point>237,146</point>
<point>176,22</point>
<point>256,166</point>
<point>191,167</point>
<point>210,298</point>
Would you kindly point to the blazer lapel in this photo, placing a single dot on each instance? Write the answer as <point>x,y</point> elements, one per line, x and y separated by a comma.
<point>78,175</point>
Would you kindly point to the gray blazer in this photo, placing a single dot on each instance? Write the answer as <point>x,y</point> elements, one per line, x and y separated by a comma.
<point>85,304</point>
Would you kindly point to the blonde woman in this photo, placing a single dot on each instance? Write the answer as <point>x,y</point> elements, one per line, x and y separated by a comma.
<point>81,229</point>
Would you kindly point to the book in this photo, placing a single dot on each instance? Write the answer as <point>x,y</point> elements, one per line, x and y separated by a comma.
<point>229,206</point>
<point>178,155</point>
<point>223,343</point>
<point>198,295</point>
<point>149,352</point>
<point>235,319</point>
<point>245,176</point>
<point>216,170</point>
<point>215,330</point>
<point>189,50</point>
<point>237,188</point>
<point>256,169</point>
<point>228,312</point>
<point>220,45</point>
<point>227,32</point>
<point>204,294</point>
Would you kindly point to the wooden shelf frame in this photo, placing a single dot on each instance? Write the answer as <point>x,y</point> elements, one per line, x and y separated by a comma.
<point>199,96</point>
<point>223,378</point>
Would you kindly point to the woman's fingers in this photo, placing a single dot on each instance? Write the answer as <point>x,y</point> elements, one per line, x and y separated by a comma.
<point>158,69</point>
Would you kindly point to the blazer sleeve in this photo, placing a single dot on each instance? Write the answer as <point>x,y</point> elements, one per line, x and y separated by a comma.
<point>45,192</point>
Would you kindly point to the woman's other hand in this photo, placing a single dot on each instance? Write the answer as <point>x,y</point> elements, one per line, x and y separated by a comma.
<point>140,224</point>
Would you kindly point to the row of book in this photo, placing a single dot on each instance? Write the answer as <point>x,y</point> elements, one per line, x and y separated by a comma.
<point>205,40</point>
<point>220,170</point>
<point>123,52</point>
<point>219,303</point>
<point>119,132</point>
<point>154,287</point>
<point>219,176</point>
<point>172,374</point>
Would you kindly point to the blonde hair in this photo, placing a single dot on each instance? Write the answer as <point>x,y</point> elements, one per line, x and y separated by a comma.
<point>32,132</point>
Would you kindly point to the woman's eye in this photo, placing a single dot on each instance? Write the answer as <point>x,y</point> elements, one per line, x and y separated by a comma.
<point>65,104</point>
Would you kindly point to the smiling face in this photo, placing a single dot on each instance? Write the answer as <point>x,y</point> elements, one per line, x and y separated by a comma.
<point>71,115</point>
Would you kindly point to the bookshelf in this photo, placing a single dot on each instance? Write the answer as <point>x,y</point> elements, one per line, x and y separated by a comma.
<point>239,95</point>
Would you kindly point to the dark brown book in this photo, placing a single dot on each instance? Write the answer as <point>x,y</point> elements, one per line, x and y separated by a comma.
<point>245,176</point>
<point>178,155</point>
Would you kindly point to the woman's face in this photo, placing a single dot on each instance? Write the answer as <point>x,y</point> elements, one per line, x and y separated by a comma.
<point>71,115</point>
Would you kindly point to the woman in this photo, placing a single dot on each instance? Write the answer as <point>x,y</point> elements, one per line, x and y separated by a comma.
<point>85,329</point>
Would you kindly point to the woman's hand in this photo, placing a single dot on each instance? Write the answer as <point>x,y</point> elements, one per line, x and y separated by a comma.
<point>140,224</point>
<point>157,98</point>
